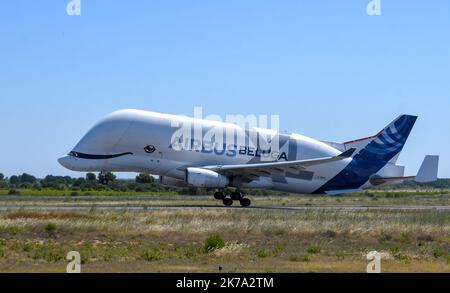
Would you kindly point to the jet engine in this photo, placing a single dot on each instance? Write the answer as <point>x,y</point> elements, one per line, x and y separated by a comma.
<point>170,181</point>
<point>205,178</point>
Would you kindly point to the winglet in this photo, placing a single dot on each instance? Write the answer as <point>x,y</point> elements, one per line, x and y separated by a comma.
<point>348,153</point>
<point>429,170</point>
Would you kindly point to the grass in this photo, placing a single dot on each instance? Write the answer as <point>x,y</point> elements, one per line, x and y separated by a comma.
<point>116,198</point>
<point>439,252</point>
<point>49,253</point>
<point>213,242</point>
<point>313,249</point>
<point>306,258</point>
<point>373,195</point>
<point>50,227</point>
<point>68,192</point>
<point>151,255</point>
<point>263,253</point>
<point>201,240</point>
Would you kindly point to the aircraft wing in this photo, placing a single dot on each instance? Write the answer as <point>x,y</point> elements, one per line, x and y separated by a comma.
<point>254,171</point>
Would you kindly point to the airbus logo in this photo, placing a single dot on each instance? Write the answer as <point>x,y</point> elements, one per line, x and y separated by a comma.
<point>149,149</point>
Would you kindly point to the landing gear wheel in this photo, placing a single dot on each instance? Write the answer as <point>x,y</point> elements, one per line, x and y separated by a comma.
<point>102,178</point>
<point>227,201</point>
<point>245,202</point>
<point>236,195</point>
<point>219,195</point>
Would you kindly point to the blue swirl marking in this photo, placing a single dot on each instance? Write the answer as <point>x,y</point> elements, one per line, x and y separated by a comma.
<point>373,157</point>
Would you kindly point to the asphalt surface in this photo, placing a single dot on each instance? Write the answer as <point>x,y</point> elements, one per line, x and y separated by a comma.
<point>132,207</point>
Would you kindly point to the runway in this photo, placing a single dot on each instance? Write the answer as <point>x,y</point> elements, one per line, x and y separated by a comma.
<point>100,207</point>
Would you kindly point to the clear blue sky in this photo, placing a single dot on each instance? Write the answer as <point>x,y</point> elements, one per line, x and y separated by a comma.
<point>328,69</point>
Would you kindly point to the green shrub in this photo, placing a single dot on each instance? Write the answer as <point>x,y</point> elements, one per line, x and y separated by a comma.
<point>340,254</point>
<point>393,249</point>
<point>49,253</point>
<point>279,248</point>
<point>50,227</point>
<point>14,192</point>
<point>263,253</point>
<point>438,252</point>
<point>404,237</point>
<point>303,258</point>
<point>189,252</point>
<point>403,257</point>
<point>306,258</point>
<point>151,255</point>
<point>107,255</point>
<point>13,230</point>
<point>141,189</point>
<point>213,242</point>
<point>313,249</point>
<point>27,247</point>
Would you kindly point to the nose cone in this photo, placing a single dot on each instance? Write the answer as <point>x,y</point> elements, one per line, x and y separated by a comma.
<point>82,165</point>
<point>67,162</point>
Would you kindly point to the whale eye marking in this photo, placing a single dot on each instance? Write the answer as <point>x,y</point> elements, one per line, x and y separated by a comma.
<point>149,149</point>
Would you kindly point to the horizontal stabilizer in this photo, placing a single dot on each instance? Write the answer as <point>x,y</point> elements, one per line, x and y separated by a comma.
<point>429,170</point>
<point>378,180</point>
<point>427,173</point>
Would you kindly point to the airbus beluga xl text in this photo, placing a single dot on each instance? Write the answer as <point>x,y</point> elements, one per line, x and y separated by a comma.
<point>141,141</point>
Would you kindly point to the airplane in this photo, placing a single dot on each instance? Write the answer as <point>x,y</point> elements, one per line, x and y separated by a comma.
<point>142,141</point>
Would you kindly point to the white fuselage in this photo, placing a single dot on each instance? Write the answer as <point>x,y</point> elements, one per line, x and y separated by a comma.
<point>141,141</point>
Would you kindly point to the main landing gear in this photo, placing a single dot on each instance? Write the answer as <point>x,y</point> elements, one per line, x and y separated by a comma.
<point>102,178</point>
<point>228,199</point>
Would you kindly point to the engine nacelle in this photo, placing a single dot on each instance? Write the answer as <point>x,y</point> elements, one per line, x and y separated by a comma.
<point>170,181</point>
<point>205,178</point>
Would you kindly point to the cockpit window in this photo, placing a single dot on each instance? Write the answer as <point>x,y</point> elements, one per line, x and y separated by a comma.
<point>73,154</point>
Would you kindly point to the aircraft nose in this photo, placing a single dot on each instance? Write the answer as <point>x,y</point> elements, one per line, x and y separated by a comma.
<point>66,162</point>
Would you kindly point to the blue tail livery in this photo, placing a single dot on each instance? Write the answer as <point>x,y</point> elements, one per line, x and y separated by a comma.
<point>380,149</point>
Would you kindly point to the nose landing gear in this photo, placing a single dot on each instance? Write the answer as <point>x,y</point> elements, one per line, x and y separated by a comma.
<point>228,199</point>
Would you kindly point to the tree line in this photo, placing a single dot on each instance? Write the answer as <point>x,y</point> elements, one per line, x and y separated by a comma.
<point>143,183</point>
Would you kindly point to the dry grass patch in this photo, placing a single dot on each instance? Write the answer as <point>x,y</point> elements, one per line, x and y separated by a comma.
<point>251,240</point>
<point>48,215</point>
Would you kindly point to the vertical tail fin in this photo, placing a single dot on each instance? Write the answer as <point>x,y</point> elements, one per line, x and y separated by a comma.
<point>373,153</point>
<point>391,140</point>
<point>388,142</point>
